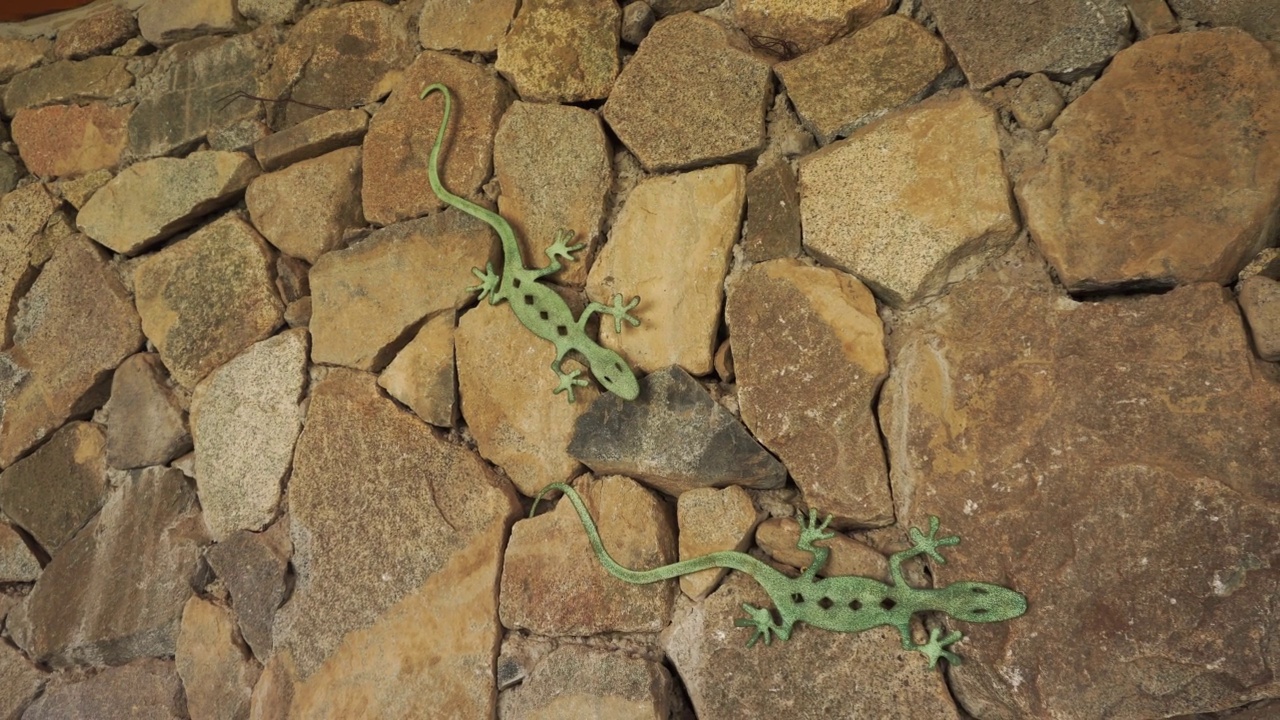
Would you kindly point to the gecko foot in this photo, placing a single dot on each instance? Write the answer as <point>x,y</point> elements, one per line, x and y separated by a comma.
<point>762,620</point>
<point>488,282</point>
<point>811,530</point>
<point>621,312</point>
<point>561,249</point>
<point>929,545</point>
<point>567,382</point>
<point>936,647</point>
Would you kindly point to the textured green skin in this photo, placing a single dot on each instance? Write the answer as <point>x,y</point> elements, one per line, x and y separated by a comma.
<point>829,603</point>
<point>537,306</point>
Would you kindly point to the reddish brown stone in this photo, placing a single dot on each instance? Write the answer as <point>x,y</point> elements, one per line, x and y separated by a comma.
<point>69,140</point>
<point>96,34</point>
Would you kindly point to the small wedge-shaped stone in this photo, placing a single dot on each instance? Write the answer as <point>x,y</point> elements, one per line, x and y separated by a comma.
<point>20,680</point>
<point>808,352</point>
<point>148,689</point>
<point>549,559</point>
<point>675,437</point>
<point>53,511</point>
<point>807,25</point>
<point>150,201</point>
<point>307,208</point>
<point>311,138</point>
<point>163,23</point>
<point>70,140</point>
<point>917,223</point>
<point>245,420</point>
<point>254,566</point>
<point>98,78</point>
<point>116,591</point>
<point>207,297</point>
<point>365,298</point>
<point>76,324</point>
<point>423,376</point>
<point>17,564</point>
<point>692,95</point>
<point>778,538</point>
<point>532,55</point>
<point>216,668</point>
<point>23,215</point>
<point>146,423</point>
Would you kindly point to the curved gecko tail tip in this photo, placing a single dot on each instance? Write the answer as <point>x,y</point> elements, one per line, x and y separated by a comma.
<point>432,88</point>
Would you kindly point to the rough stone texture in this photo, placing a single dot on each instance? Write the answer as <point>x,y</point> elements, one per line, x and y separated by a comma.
<point>837,674</point>
<point>778,538</point>
<point>843,86</point>
<point>305,209</point>
<point>505,384</point>
<point>269,12</point>
<point>554,164</point>
<point>808,353</point>
<point>1036,103</point>
<point>23,215</point>
<point>18,55</point>
<point>1176,184</point>
<point>148,689</point>
<point>712,520</point>
<point>422,375</point>
<point>217,671</point>
<point>273,695</point>
<point>78,191</point>
<point>17,564</point>
<point>466,25</point>
<point>207,297</point>
<point>253,566</point>
<point>575,681</point>
<point>995,39</point>
<point>115,592</point>
<point>96,34</point>
<point>1035,426</point>
<point>561,50</point>
<point>69,140</point>
<point>19,679</point>
<point>311,138</point>
<point>1151,17</point>
<point>672,7</point>
<point>337,57</point>
<point>423,502</point>
<point>637,19</point>
<point>1262,20</point>
<point>674,437</point>
<point>773,212</point>
<point>192,90</point>
<point>239,136</point>
<point>809,25</point>
<point>244,420</point>
<point>368,297</point>
<point>76,324</point>
<point>9,173</point>
<point>97,78</point>
<point>163,22</point>
<point>146,423</point>
<point>552,583</point>
<point>398,144</point>
<point>660,105</point>
<point>671,245</point>
<point>1260,301</point>
<point>152,200</point>
<point>52,511</point>
<point>933,201</point>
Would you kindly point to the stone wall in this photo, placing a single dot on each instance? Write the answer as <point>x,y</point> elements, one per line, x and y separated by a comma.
<point>264,455</point>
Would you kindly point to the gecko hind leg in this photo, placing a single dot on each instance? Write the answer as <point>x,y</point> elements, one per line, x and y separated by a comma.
<point>936,648</point>
<point>762,620</point>
<point>568,380</point>
<point>617,311</point>
<point>488,284</point>
<point>560,247</point>
<point>812,531</point>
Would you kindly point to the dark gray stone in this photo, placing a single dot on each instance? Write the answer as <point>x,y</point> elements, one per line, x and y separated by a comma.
<point>145,690</point>
<point>253,567</point>
<point>773,212</point>
<point>55,490</point>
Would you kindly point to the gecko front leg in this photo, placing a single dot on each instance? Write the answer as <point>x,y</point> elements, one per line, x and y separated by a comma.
<point>936,648</point>
<point>618,311</point>
<point>558,249</point>
<point>568,380</point>
<point>762,620</point>
<point>488,284</point>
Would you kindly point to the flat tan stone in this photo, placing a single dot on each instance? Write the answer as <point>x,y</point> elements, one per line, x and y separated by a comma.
<point>422,375</point>
<point>70,140</point>
<point>842,86</point>
<point>576,681</point>
<point>96,34</point>
<point>532,55</point>
<point>98,78</point>
<point>712,520</point>
<point>659,106</point>
<point>217,671</point>
<point>413,621</point>
<point>244,421</point>
<point>207,297</point>
<point>466,25</point>
<point>1151,17</point>
<point>808,353</point>
<point>147,689</point>
<point>166,22</point>
<point>671,245</point>
<point>397,146</point>
<point>311,138</point>
<point>807,25</point>
<point>18,55</point>
<point>933,201</point>
<point>1036,103</point>
<point>17,564</point>
<point>549,561</point>
<point>778,538</point>
<point>555,167</point>
<point>505,384</point>
<point>152,200</point>
<point>368,296</point>
<point>1260,301</point>
<point>46,378</point>
<point>1134,193</point>
<point>78,191</point>
<point>20,679</point>
<point>53,512</point>
<point>306,208</point>
<point>146,421</point>
<point>23,215</point>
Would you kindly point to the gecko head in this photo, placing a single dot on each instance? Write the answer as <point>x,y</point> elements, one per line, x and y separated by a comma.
<point>981,602</point>
<point>614,373</point>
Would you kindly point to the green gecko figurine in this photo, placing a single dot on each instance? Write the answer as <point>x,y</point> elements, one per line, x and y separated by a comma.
<point>840,604</point>
<point>537,306</point>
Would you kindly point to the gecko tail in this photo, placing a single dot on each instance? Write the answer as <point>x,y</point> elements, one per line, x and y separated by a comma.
<point>433,164</point>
